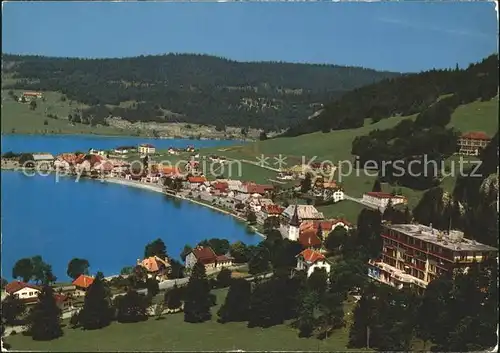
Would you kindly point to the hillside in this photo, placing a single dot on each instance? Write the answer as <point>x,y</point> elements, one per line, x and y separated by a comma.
<point>402,96</point>
<point>188,88</point>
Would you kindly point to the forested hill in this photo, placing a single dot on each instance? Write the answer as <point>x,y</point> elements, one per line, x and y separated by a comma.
<point>405,95</point>
<point>192,88</point>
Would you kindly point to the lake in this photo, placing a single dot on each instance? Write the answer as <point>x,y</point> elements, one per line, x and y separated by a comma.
<point>107,224</point>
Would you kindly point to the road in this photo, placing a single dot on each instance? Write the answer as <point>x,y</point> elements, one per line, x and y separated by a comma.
<point>364,203</point>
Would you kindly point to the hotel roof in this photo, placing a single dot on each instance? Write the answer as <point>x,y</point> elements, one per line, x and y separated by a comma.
<point>454,241</point>
<point>476,135</point>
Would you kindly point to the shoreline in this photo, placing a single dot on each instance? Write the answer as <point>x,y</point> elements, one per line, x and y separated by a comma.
<point>159,189</point>
<point>127,136</point>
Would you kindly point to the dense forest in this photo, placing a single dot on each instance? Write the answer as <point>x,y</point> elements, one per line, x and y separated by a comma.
<point>426,139</point>
<point>191,88</point>
<point>405,95</point>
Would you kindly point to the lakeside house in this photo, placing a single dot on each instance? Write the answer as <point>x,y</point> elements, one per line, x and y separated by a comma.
<point>43,159</point>
<point>146,149</point>
<point>267,211</point>
<point>194,182</point>
<point>304,212</point>
<point>382,199</point>
<point>206,256</point>
<point>413,255</point>
<point>155,266</point>
<point>82,284</point>
<point>22,290</point>
<point>122,150</point>
<point>309,260</point>
<point>28,294</point>
<point>471,143</point>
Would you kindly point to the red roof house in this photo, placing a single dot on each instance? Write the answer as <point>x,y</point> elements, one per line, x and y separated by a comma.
<point>309,239</point>
<point>16,286</point>
<point>311,256</point>
<point>476,135</point>
<point>197,179</point>
<point>83,282</point>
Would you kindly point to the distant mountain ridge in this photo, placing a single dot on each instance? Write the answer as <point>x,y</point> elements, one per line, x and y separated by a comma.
<point>197,88</point>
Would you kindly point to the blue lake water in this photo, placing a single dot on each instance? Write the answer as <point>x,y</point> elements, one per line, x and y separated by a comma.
<point>70,143</point>
<point>107,224</point>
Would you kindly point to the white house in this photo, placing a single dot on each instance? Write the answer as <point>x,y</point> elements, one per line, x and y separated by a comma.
<point>146,148</point>
<point>22,290</point>
<point>122,150</point>
<point>381,199</point>
<point>310,259</point>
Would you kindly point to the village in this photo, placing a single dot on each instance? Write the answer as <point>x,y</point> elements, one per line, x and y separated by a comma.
<point>412,254</point>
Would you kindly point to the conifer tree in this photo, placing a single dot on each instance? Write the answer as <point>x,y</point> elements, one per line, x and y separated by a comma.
<point>132,307</point>
<point>197,299</point>
<point>45,318</point>
<point>376,186</point>
<point>96,312</point>
<point>173,298</point>
<point>237,303</point>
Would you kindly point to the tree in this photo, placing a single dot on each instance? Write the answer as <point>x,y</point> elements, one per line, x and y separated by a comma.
<point>173,298</point>
<point>271,223</point>
<point>176,269</point>
<point>96,312</point>
<point>77,267</point>
<point>336,239</point>
<point>4,283</point>
<point>33,105</point>
<point>127,270</point>
<point>224,278</point>
<point>331,308</point>
<point>219,246</point>
<point>152,287</point>
<point>389,212</point>
<point>237,304</point>
<point>12,309</point>
<point>40,269</point>
<point>45,122</point>
<point>306,320</point>
<point>239,251</point>
<point>131,307</point>
<point>306,183</point>
<point>197,301</point>
<point>262,136</point>
<point>266,304</point>
<point>317,281</point>
<point>259,260</point>
<point>185,252</point>
<point>377,187</point>
<point>251,217</point>
<point>368,232</point>
<point>156,248</point>
<point>23,268</point>
<point>45,318</point>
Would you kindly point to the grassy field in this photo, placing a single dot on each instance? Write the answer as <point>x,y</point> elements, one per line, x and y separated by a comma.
<point>335,146</point>
<point>19,118</point>
<point>173,334</point>
<point>344,209</point>
<point>477,116</point>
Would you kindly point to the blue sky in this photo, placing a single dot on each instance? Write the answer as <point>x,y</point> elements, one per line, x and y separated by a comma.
<point>394,36</point>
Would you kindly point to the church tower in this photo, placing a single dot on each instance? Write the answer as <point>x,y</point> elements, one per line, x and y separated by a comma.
<point>294,226</point>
